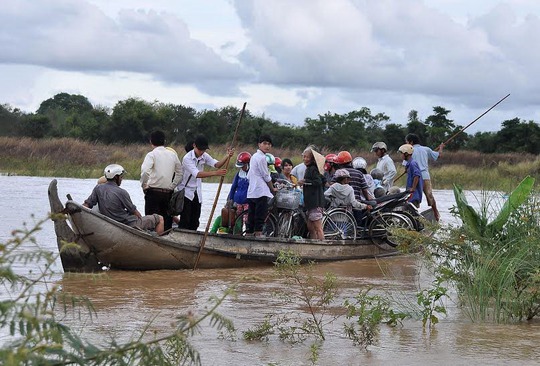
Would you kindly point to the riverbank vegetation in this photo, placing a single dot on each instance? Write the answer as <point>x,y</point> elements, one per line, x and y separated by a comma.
<point>130,121</point>
<point>67,157</point>
<point>492,259</point>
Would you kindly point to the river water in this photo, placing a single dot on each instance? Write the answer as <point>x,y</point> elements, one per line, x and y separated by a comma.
<point>125,302</point>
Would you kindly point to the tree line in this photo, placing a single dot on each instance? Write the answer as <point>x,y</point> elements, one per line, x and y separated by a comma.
<point>132,120</point>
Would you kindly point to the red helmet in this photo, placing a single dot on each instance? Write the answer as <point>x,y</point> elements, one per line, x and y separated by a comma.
<point>329,159</point>
<point>277,164</point>
<point>243,158</point>
<point>343,157</point>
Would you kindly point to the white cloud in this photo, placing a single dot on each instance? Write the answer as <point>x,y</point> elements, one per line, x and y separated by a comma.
<point>288,59</point>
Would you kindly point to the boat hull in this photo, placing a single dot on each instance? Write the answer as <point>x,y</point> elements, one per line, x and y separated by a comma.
<point>119,246</point>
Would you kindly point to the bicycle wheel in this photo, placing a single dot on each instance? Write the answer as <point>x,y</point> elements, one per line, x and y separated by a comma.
<point>380,228</point>
<point>285,224</point>
<point>269,227</point>
<point>240,224</point>
<point>339,224</point>
<point>299,226</point>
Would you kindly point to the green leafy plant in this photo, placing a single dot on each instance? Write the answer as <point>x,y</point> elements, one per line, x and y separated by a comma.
<point>369,311</point>
<point>477,223</point>
<point>492,258</point>
<point>34,335</point>
<point>431,304</point>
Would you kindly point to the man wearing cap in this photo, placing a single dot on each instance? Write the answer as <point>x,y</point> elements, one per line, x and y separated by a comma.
<point>422,155</point>
<point>115,202</point>
<point>161,171</point>
<point>385,164</point>
<point>194,162</point>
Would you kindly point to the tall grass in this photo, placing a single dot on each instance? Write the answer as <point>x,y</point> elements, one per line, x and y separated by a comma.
<point>496,271</point>
<point>79,159</point>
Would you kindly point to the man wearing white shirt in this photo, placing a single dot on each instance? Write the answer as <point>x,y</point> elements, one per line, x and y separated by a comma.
<point>161,171</point>
<point>385,164</point>
<point>194,162</point>
<point>260,187</point>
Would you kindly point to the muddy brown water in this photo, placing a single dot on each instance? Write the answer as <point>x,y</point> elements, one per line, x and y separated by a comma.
<point>126,302</point>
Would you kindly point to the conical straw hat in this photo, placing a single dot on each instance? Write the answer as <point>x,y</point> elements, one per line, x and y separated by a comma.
<point>319,159</point>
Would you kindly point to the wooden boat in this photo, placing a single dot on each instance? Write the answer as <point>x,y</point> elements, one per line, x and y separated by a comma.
<point>105,242</point>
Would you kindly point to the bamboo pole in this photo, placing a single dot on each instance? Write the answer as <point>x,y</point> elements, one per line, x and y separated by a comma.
<point>233,145</point>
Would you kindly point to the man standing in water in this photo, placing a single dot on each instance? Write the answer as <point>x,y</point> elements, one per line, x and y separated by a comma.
<point>422,155</point>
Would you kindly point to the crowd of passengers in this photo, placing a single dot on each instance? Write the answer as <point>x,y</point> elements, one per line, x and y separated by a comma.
<point>332,180</point>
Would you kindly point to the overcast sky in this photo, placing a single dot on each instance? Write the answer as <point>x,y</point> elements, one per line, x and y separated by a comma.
<point>287,59</point>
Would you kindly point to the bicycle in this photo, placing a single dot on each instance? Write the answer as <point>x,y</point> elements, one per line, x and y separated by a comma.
<point>376,224</point>
<point>292,218</point>
<point>270,227</point>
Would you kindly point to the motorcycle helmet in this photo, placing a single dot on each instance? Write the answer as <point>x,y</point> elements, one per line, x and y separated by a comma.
<point>113,170</point>
<point>359,163</point>
<point>406,149</point>
<point>242,159</point>
<point>343,157</point>
<point>270,159</point>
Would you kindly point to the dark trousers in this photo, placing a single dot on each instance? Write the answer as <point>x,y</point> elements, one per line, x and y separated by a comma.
<point>258,209</point>
<point>189,219</point>
<point>157,202</point>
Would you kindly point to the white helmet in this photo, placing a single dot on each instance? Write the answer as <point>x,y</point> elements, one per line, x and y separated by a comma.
<point>359,163</point>
<point>406,149</point>
<point>379,146</point>
<point>113,170</point>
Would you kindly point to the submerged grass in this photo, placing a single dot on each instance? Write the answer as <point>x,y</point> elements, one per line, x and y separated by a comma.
<point>80,159</point>
<point>493,264</point>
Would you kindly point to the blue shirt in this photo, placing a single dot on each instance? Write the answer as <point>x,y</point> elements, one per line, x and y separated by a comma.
<point>413,170</point>
<point>422,154</point>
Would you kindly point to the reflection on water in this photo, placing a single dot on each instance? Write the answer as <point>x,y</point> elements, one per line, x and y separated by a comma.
<point>126,301</point>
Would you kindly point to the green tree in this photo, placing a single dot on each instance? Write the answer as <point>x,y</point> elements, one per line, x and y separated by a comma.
<point>132,121</point>
<point>35,126</point>
<point>416,126</point>
<point>394,136</point>
<point>483,142</point>
<point>439,126</point>
<point>66,102</point>
<point>10,118</point>
<point>518,136</point>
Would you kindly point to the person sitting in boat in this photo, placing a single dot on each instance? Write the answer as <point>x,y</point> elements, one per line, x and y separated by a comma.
<point>359,163</point>
<point>341,194</point>
<point>237,197</point>
<point>115,202</point>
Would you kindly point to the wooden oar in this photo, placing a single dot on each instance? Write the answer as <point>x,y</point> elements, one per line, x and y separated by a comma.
<point>233,145</point>
<point>463,129</point>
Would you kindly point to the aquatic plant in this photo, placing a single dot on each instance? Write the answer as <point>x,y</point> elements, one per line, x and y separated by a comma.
<point>368,312</point>
<point>33,335</point>
<point>492,258</point>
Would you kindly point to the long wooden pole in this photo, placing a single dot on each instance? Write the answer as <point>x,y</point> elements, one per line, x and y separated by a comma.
<point>464,128</point>
<point>233,145</point>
